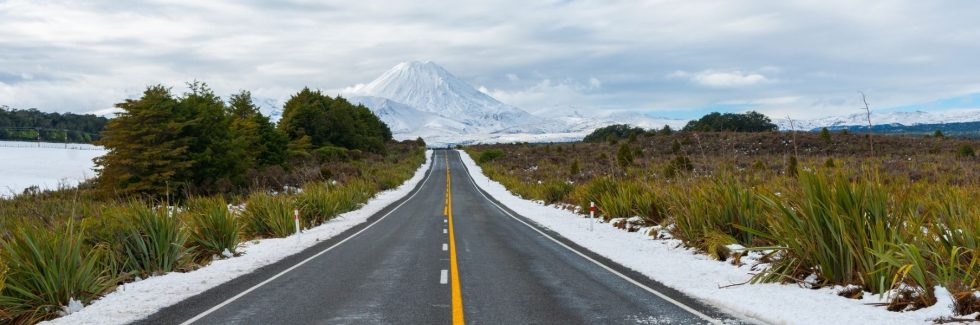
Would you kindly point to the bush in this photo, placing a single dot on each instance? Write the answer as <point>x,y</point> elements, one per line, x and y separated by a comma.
<point>966,151</point>
<point>154,243</point>
<point>748,122</point>
<point>332,153</point>
<point>46,269</point>
<point>489,155</point>
<point>268,215</point>
<point>613,133</point>
<point>212,228</point>
<point>624,156</point>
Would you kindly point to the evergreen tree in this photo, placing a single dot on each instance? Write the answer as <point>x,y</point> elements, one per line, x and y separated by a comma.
<point>331,122</point>
<point>217,153</point>
<point>825,135</point>
<point>146,149</point>
<point>748,122</point>
<point>266,144</point>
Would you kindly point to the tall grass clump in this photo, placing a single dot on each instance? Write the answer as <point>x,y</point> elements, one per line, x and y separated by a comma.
<point>838,230</point>
<point>351,195</point>
<point>155,242</point>
<point>45,270</point>
<point>713,216</point>
<point>945,254</point>
<point>212,228</point>
<point>616,198</point>
<point>268,215</point>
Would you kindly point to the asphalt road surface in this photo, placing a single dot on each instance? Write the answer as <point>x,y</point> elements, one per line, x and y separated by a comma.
<point>444,254</point>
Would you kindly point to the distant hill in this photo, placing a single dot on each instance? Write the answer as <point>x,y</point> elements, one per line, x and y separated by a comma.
<point>31,125</point>
<point>882,118</point>
<point>960,129</point>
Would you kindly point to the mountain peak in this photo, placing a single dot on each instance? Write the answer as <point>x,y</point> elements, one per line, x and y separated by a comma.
<point>430,88</point>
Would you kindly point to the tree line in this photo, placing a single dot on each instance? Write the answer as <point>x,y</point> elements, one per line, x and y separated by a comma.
<point>714,122</point>
<point>196,143</point>
<point>31,125</point>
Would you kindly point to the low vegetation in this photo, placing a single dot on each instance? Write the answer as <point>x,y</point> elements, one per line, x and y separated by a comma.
<point>819,208</point>
<point>188,178</point>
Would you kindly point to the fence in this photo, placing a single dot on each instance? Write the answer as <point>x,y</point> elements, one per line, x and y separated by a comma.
<point>51,145</point>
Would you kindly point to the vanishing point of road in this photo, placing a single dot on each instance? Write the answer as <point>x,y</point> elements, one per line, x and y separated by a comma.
<point>446,253</point>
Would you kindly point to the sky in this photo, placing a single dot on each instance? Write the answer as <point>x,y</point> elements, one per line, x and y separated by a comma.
<point>680,59</point>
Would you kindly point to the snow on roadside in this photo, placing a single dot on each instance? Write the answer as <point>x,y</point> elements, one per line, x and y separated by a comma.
<point>701,277</point>
<point>136,300</point>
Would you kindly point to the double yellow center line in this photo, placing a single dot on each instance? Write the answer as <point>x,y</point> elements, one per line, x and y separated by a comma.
<point>457,295</point>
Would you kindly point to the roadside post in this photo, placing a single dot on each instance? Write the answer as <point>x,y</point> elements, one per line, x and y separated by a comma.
<point>591,215</point>
<point>296,222</point>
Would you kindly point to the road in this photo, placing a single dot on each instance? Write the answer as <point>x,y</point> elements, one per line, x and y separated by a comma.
<point>445,254</point>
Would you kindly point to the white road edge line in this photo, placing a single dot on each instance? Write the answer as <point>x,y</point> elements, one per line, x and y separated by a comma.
<point>607,268</point>
<point>247,291</point>
<point>445,247</point>
<point>444,277</point>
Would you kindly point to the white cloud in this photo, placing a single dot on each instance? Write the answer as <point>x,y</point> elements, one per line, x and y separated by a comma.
<point>66,55</point>
<point>727,78</point>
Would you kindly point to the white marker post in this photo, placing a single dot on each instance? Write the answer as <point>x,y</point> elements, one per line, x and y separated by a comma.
<point>591,215</point>
<point>296,221</point>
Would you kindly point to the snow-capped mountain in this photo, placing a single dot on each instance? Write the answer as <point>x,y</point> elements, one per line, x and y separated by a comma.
<point>448,104</point>
<point>421,99</point>
<point>887,118</point>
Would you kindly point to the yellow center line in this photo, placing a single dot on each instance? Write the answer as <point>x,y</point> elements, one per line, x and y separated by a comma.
<point>457,295</point>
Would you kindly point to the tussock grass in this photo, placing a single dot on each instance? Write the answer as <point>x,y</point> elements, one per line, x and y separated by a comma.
<point>47,268</point>
<point>898,223</point>
<point>212,228</point>
<point>154,242</point>
<point>268,215</point>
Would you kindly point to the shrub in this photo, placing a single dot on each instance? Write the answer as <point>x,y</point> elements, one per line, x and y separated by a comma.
<point>46,269</point>
<point>489,155</point>
<point>332,153</point>
<point>966,151</point>
<point>574,169</point>
<point>212,228</point>
<point>624,156</point>
<point>268,215</point>
<point>154,243</point>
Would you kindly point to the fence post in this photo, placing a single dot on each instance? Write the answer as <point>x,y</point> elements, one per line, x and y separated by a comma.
<point>296,222</point>
<point>591,215</point>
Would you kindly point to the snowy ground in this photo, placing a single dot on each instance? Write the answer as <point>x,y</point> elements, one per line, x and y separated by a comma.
<point>701,277</point>
<point>134,301</point>
<point>47,165</point>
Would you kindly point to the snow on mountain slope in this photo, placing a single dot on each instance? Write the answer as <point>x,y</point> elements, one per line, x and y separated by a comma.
<point>878,118</point>
<point>427,87</point>
<point>406,121</point>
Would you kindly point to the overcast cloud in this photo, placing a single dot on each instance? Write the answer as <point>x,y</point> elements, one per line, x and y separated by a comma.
<point>667,58</point>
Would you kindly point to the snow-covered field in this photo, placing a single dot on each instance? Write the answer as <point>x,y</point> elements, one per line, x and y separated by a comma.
<point>47,165</point>
<point>134,301</point>
<point>701,277</point>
